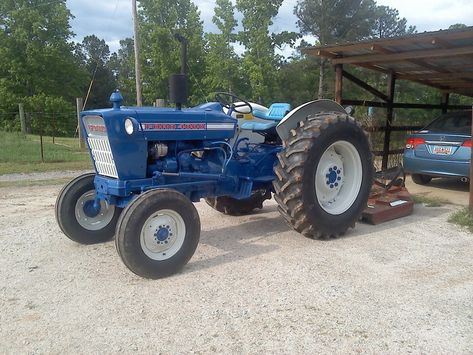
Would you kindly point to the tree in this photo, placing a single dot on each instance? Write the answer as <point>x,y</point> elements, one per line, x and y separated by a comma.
<point>122,65</point>
<point>388,23</point>
<point>96,54</point>
<point>223,65</point>
<point>259,61</point>
<point>332,21</point>
<point>160,20</point>
<point>37,55</point>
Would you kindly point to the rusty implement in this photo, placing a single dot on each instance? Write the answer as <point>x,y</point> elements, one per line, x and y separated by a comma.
<point>389,199</point>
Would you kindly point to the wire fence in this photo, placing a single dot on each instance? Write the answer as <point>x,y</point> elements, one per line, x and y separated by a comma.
<point>42,137</point>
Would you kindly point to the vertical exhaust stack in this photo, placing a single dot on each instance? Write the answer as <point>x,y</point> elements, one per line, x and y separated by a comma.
<point>178,84</point>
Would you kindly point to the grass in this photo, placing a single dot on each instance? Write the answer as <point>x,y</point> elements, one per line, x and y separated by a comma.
<point>27,183</point>
<point>462,218</point>
<point>21,153</point>
<point>428,201</point>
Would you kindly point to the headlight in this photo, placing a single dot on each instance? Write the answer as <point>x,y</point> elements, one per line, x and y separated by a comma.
<point>129,127</point>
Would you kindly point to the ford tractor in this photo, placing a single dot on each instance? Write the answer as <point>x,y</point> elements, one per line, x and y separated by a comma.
<point>152,163</point>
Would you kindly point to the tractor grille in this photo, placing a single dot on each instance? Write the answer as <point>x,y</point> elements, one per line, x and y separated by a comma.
<point>103,158</point>
<point>99,145</point>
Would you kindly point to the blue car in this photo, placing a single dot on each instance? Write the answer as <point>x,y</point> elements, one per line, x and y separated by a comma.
<point>441,149</point>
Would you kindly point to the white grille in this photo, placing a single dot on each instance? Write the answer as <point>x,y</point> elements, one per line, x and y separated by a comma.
<point>102,154</point>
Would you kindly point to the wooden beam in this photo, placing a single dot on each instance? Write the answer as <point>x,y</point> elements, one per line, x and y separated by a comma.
<point>444,101</point>
<point>397,57</point>
<point>364,85</point>
<point>368,103</point>
<point>339,83</point>
<point>389,119</point>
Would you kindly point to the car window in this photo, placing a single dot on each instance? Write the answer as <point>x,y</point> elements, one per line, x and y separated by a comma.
<point>457,122</point>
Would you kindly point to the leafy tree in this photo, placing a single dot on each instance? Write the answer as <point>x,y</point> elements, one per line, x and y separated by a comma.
<point>96,54</point>
<point>332,21</point>
<point>37,55</point>
<point>223,65</point>
<point>388,23</point>
<point>123,67</point>
<point>260,61</point>
<point>457,26</point>
<point>159,21</point>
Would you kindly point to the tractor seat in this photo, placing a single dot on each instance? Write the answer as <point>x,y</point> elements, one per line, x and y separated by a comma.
<point>276,112</point>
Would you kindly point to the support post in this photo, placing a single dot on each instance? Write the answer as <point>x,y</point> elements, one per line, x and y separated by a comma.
<point>339,83</point>
<point>471,171</point>
<point>444,103</point>
<point>389,120</point>
<point>21,110</point>
<point>136,44</point>
<point>160,103</point>
<point>79,103</point>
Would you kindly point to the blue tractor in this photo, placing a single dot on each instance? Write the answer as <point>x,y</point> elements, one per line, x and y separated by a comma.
<point>151,164</point>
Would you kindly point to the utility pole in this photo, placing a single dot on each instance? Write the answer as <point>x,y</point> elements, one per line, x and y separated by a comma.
<point>139,101</point>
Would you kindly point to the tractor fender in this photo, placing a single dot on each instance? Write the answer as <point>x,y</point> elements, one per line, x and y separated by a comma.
<point>301,112</point>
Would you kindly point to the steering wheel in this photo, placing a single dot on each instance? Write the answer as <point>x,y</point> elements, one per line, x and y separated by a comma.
<point>229,101</point>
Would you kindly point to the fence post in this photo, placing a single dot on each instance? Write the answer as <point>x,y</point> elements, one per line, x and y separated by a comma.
<point>160,103</point>
<point>21,109</point>
<point>54,126</point>
<point>79,104</point>
<point>41,137</point>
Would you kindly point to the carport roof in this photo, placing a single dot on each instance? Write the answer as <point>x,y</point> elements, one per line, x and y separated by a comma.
<point>441,59</point>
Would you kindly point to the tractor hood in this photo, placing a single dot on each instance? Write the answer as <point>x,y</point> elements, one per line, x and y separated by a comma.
<point>121,154</point>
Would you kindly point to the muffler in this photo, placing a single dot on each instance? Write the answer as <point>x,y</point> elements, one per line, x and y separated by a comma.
<point>465,179</point>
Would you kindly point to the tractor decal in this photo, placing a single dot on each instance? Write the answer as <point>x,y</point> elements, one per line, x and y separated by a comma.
<point>187,126</point>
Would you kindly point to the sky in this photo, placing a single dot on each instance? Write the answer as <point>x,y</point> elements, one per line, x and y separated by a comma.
<point>111,19</point>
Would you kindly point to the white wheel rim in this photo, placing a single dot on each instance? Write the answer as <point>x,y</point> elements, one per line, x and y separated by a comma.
<point>163,234</point>
<point>98,222</point>
<point>338,177</point>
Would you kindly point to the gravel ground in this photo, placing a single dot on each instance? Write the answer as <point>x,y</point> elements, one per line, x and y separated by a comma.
<point>253,286</point>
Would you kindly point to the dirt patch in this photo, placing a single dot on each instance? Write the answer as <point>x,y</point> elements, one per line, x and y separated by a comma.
<point>253,286</point>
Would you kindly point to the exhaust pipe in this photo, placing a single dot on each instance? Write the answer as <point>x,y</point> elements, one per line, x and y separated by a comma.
<point>465,179</point>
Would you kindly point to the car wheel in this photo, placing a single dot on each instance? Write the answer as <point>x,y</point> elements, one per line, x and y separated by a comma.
<point>421,179</point>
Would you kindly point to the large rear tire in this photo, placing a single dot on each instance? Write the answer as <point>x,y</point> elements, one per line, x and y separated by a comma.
<point>77,217</point>
<point>158,233</point>
<point>233,207</point>
<point>324,175</point>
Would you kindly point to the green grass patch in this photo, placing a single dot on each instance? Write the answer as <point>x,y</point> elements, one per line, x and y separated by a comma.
<point>21,153</point>
<point>462,218</point>
<point>27,183</point>
<point>428,201</point>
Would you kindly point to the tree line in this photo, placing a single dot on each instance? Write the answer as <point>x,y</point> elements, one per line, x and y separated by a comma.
<point>44,68</point>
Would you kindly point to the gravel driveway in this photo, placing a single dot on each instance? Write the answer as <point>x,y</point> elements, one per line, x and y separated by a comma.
<point>253,286</point>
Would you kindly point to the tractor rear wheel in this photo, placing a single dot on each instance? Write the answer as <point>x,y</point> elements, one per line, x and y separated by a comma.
<point>78,216</point>
<point>324,175</point>
<point>158,233</point>
<point>233,207</point>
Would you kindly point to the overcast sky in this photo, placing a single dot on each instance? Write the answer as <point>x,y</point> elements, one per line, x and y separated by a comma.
<point>111,19</point>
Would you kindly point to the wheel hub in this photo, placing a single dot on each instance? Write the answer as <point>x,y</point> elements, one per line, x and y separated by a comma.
<point>91,214</point>
<point>336,191</point>
<point>162,234</point>
<point>91,209</point>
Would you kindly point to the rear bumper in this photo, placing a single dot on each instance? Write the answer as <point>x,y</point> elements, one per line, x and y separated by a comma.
<point>446,168</point>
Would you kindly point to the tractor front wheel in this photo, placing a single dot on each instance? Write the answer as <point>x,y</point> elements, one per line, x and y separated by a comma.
<point>158,233</point>
<point>324,175</point>
<point>80,217</point>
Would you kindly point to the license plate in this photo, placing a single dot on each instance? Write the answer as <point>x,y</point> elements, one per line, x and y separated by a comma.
<point>442,150</point>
